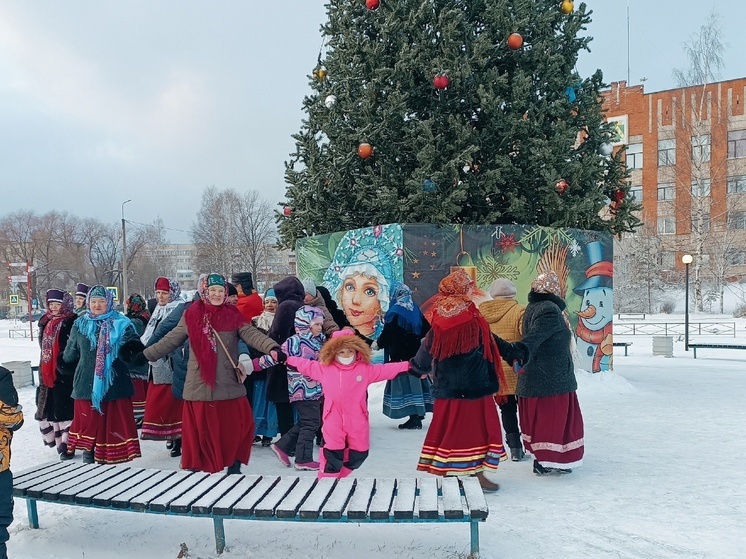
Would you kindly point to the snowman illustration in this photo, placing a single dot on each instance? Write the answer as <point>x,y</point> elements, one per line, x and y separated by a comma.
<point>594,330</point>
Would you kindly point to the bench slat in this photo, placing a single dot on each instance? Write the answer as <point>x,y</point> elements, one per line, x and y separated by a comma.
<point>160,503</point>
<point>41,469</point>
<point>475,500</point>
<point>123,500</point>
<point>452,505</point>
<point>23,486</point>
<point>93,473</point>
<point>380,504</point>
<point>141,501</point>
<point>86,497</point>
<point>204,504</point>
<point>224,506</point>
<point>406,490</point>
<point>181,504</point>
<point>56,479</point>
<point>340,496</point>
<point>104,498</point>
<point>68,494</point>
<point>245,507</point>
<point>290,504</point>
<point>428,498</point>
<point>267,506</point>
<point>311,507</point>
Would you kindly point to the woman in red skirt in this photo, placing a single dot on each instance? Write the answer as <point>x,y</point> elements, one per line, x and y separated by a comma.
<point>101,342</point>
<point>163,410</point>
<point>551,421</point>
<point>463,357</point>
<point>218,427</point>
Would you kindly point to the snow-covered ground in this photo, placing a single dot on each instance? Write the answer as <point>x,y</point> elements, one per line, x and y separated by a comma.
<point>664,476</point>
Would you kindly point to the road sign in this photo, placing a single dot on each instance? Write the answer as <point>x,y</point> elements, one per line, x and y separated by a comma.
<point>19,279</point>
<point>115,292</point>
<point>15,300</point>
<point>16,264</point>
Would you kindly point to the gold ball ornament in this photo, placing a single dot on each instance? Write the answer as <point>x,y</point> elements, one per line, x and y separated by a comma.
<point>567,7</point>
<point>320,73</point>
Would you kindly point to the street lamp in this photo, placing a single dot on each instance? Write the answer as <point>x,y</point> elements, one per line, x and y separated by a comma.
<point>124,255</point>
<point>686,259</point>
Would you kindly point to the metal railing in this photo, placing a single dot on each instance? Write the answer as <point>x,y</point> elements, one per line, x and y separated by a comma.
<point>674,328</point>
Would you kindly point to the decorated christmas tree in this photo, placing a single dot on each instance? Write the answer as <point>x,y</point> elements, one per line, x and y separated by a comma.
<point>454,111</point>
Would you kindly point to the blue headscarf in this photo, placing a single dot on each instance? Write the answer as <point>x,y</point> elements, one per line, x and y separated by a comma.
<point>105,333</point>
<point>403,307</point>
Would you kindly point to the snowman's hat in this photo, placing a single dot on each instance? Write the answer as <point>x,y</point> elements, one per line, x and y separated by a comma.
<point>600,272</point>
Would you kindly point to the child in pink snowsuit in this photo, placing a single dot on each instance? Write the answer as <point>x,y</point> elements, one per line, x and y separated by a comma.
<point>345,372</point>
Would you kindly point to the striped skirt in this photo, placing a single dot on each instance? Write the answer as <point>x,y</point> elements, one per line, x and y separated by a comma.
<point>406,395</point>
<point>54,433</point>
<point>552,429</point>
<point>464,438</point>
<point>163,411</point>
<point>111,435</point>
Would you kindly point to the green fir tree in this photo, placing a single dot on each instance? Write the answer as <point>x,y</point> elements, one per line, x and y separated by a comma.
<point>491,147</point>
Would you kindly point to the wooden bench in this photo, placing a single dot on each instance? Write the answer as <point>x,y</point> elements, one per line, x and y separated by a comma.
<point>631,315</point>
<point>715,346</point>
<point>243,497</point>
<point>625,345</point>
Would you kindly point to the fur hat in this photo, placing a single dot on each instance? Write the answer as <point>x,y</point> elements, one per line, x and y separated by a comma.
<point>503,288</point>
<point>309,286</point>
<point>245,280</point>
<point>81,290</point>
<point>345,338</point>
<point>547,282</point>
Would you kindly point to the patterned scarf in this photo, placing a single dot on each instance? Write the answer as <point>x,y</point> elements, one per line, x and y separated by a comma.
<point>201,318</point>
<point>162,311</point>
<point>137,307</point>
<point>403,308</point>
<point>50,345</point>
<point>104,332</point>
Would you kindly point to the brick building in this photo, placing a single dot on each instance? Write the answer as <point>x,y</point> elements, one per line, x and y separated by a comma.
<point>686,152</point>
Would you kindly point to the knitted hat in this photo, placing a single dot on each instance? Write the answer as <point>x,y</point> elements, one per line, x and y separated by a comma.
<point>503,288</point>
<point>162,284</point>
<point>270,294</point>
<point>215,279</point>
<point>81,290</point>
<point>309,286</point>
<point>547,282</point>
<point>55,296</point>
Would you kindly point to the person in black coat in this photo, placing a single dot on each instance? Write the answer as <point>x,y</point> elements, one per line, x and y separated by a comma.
<point>290,293</point>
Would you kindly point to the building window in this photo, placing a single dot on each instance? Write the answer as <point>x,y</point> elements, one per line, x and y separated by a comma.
<point>667,260</point>
<point>701,148</point>
<point>700,223</point>
<point>736,257</point>
<point>736,144</point>
<point>666,152</point>
<point>636,193</point>
<point>666,226</point>
<point>737,184</point>
<point>737,220</point>
<point>634,156</point>
<point>666,191</point>
<point>701,187</point>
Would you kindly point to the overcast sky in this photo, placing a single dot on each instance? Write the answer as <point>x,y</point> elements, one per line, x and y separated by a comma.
<point>152,101</point>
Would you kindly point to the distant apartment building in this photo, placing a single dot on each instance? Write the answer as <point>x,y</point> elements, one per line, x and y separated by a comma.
<point>176,261</point>
<point>686,152</point>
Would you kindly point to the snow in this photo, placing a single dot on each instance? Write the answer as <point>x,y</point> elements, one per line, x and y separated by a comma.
<point>664,476</point>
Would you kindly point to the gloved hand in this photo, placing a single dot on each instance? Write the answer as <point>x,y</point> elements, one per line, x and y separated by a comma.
<point>517,367</point>
<point>139,359</point>
<point>416,374</point>
<point>245,366</point>
<point>280,356</point>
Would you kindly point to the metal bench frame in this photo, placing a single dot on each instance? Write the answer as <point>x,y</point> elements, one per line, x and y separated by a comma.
<point>714,346</point>
<point>241,497</point>
<point>623,344</point>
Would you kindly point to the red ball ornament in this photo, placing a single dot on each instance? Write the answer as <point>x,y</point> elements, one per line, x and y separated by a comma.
<point>372,4</point>
<point>561,186</point>
<point>619,196</point>
<point>441,81</point>
<point>365,150</point>
<point>515,41</point>
<point>287,211</point>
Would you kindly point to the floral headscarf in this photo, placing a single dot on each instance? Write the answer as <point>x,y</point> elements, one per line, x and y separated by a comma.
<point>49,341</point>
<point>547,282</point>
<point>137,307</point>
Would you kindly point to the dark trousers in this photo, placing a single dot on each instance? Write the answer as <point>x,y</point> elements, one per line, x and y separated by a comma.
<point>285,419</point>
<point>300,436</point>
<point>6,509</point>
<point>509,415</point>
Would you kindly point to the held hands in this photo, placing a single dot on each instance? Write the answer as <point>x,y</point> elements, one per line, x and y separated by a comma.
<point>245,367</point>
<point>517,367</point>
<point>139,359</point>
<point>279,356</point>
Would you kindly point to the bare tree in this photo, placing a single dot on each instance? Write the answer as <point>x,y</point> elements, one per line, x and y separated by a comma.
<point>638,271</point>
<point>255,228</point>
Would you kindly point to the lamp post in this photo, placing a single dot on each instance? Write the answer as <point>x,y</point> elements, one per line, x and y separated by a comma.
<point>686,259</point>
<point>124,255</point>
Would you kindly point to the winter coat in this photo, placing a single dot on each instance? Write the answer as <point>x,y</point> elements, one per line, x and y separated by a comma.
<point>250,306</point>
<point>80,350</point>
<point>550,370</point>
<point>399,344</point>
<point>163,371</point>
<point>227,386</point>
<point>56,404</point>
<point>290,293</point>
<point>505,317</point>
<point>179,358</point>
<point>11,418</point>
<point>139,371</point>
<point>330,326</point>
<point>345,416</point>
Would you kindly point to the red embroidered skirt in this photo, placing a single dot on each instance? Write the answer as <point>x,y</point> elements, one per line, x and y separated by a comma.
<point>464,438</point>
<point>552,429</point>
<point>216,434</point>
<point>163,411</point>
<point>138,398</point>
<point>111,434</point>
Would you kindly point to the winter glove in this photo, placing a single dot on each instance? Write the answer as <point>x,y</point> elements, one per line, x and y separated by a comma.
<point>279,356</point>
<point>139,359</point>
<point>517,367</point>
<point>416,374</point>
<point>130,349</point>
<point>245,366</point>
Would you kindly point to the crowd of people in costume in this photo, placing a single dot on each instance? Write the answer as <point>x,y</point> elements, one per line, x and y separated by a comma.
<point>293,369</point>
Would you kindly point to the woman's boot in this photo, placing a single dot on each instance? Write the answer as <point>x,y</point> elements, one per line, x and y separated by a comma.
<point>516,446</point>
<point>414,422</point>
<point>176,448</point>
<point>487,485</point>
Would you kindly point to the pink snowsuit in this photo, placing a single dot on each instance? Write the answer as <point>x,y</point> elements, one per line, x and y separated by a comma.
<point>346,426</point>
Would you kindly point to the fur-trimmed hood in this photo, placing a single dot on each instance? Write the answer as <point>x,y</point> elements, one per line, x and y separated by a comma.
<point>333,345</point>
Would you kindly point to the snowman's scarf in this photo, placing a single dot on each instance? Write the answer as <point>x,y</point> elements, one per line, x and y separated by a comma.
<point>593,336</point>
